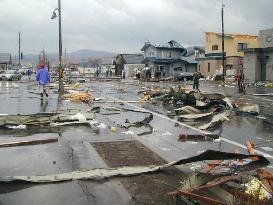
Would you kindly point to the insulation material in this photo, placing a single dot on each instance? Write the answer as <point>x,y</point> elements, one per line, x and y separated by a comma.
<point>195,116</point>
<point>188,110</point>
<point>219,118</point>
<point>39,119</point>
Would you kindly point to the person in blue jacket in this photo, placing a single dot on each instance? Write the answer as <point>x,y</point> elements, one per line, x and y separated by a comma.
<point>29,73</point>
<point>43,79</point>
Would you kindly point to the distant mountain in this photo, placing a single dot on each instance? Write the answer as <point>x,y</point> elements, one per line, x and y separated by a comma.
<point>76,56</point>
<point>85,54</point>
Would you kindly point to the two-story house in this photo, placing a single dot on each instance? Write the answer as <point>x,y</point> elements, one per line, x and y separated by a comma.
<point>169,58</point>
<point>235,44</point>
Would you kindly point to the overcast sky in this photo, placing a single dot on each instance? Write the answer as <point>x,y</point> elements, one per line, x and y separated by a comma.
<point>124,25</point>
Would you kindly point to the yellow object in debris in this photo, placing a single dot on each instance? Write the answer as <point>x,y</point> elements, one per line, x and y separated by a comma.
<point>113,129</point>
<point>80,97</point>
<point>77,84</point>
<point>268,85</point>
<point>146,98</point>
<point>255,187</point>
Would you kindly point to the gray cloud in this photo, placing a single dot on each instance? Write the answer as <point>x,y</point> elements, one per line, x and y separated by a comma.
<point>124,25</point>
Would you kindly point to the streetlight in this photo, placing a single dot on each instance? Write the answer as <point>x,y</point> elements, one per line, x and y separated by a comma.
<point>54,15</point>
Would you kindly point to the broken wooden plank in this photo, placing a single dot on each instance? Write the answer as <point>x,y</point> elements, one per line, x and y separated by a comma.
<point>30,142</point>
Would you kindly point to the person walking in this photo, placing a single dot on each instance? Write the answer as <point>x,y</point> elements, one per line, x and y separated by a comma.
<point>196,78</point>
<point>43,79</point>
<point>29,73</point>
<point>240,78</point>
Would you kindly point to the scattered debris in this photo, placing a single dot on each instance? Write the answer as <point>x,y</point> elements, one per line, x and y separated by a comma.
<point>31,142</point>
<point>197,137</point>
<point>80,97</point>
<point>128,171</point>
<point>39,119</point>
<point>221,172</point>
<point>16,127</point>
<point>113,129</point>
<point>248,109</point>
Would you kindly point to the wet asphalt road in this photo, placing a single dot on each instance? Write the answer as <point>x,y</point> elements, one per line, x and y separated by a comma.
<point>73,150</point>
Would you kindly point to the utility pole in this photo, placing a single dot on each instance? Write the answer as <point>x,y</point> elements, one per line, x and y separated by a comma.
<point>223,41</point>
<point>19,52</point>
<point>61,86</point>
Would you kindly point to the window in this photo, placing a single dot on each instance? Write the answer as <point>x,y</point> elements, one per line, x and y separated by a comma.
<point>268,39</point>
<point>242,46</point>
<point>208,67</point>
<point>151,54</point>
<point>215,47</point>
<point>160,68</point>
<point>199,68</point>
<point>178,69</point>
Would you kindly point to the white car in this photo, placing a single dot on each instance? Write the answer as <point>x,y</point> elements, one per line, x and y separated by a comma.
<point>11,75</point>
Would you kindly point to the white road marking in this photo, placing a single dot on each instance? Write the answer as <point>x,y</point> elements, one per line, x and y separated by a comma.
<point>265,99</point>
<point>193,128</point>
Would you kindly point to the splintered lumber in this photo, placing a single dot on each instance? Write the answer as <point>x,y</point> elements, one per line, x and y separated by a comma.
<point>29,142</point>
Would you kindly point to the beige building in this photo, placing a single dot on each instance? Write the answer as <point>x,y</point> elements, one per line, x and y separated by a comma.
<point>235,44</point>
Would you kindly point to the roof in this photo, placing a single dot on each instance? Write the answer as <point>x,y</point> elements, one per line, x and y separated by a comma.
<point>133,58</point>
<point>234,35</point>
<point>188,60</point>
<point>169,45</point>
<point>191,50</point>
<point>5,58</point>
<point>184,59</point>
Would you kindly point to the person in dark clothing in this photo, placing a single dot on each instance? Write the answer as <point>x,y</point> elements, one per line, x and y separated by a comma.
<point>240,77</point>
<point>196,78</point>
<point>148,74</point>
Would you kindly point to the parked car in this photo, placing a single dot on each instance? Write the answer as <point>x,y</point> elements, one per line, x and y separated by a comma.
<point>11,75</point>
<point>187,76</point>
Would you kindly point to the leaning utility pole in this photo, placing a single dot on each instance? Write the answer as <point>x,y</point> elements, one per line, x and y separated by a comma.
<point>223,43</point>
<point>19,52</point>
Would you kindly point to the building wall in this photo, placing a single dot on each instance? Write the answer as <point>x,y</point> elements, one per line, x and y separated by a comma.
<point>231,43</point>
<point>250,65</point>
<point>165,53</point>
<point>203,65</point>
<point>266,38</point>
<point>130,69</point>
